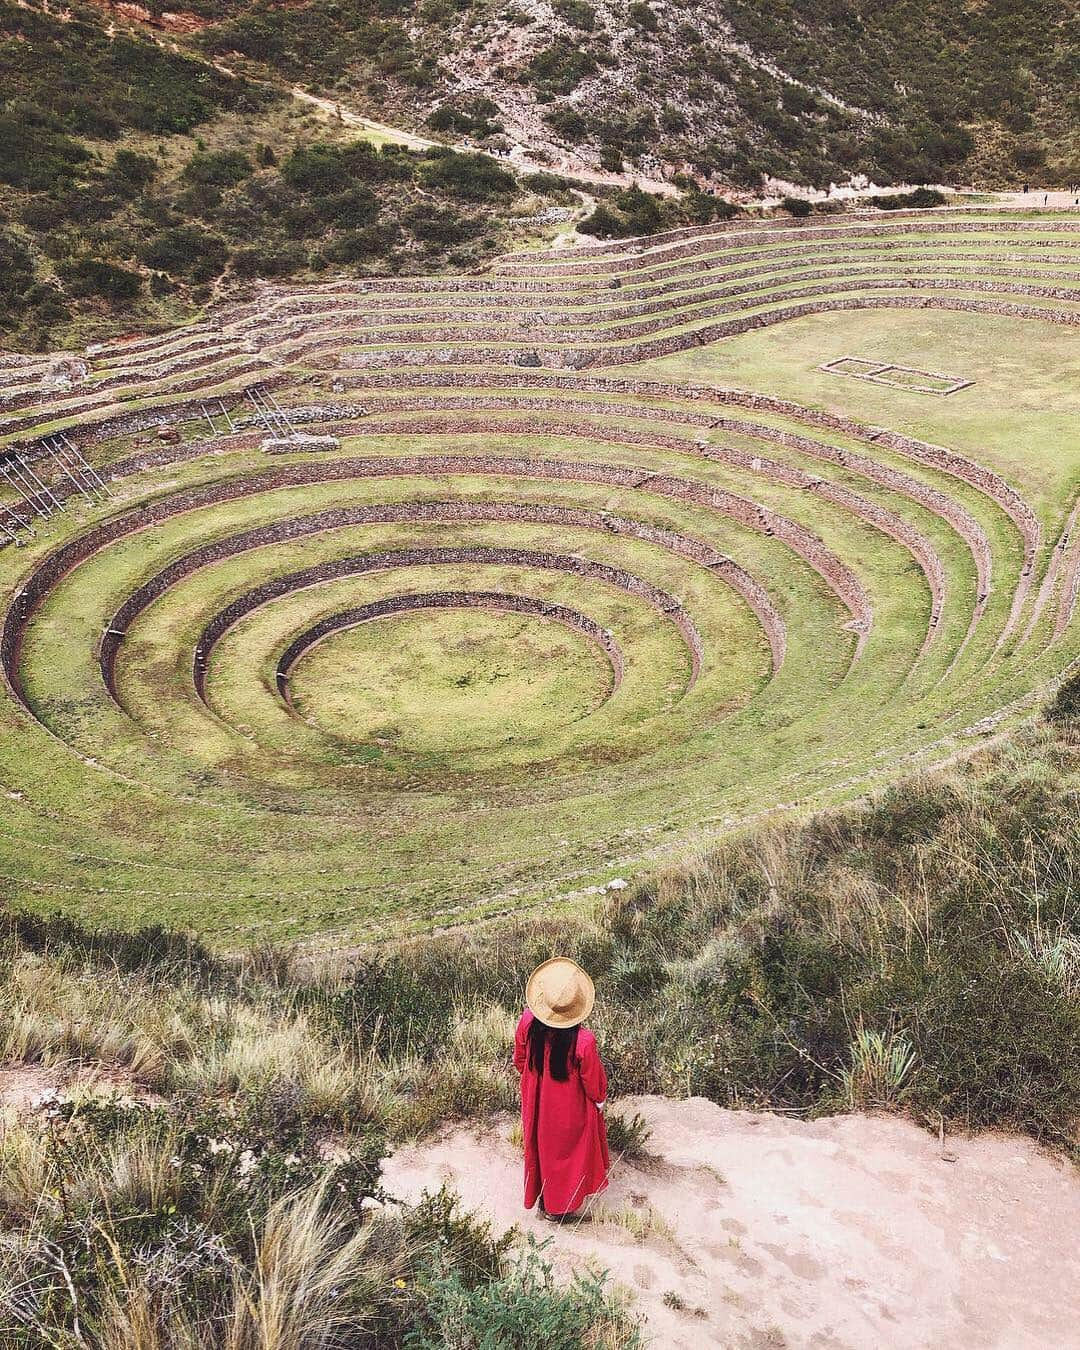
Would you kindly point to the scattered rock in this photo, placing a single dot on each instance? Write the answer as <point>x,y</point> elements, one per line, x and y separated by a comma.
<point>64,373</point>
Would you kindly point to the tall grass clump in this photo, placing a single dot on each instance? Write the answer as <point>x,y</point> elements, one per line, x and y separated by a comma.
<point>880,1070</point>
<point>917,949</point>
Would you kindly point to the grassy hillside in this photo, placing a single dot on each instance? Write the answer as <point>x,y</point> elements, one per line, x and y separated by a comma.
<point>919,952</point>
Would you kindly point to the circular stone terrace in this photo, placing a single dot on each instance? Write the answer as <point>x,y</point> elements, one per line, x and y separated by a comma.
<point>540,597</point>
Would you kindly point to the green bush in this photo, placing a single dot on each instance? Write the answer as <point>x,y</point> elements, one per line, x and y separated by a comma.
<point>548,184</point>
<point>188,251</point>
<point>468,117</point>
<point>525,1308</point>
<point>560,68</point>
<point>567,122</point>
<point>94,277</point>
<point>798,207</point>
<point>1064,707</point>
<point>354,209</point>
<point>917,200</point>
<point>130,173</point>
<point>643,16</point>
<point>470,178</point>
<point>16,267</point>
<point>577,13</point>
<point>34,152</point>
<point>217,168</point>
<point>322,170</point>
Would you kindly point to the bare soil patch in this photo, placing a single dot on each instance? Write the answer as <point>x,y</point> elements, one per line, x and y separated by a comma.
<point>757,1230</point>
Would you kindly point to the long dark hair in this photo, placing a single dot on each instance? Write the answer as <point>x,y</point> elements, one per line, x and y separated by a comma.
<point>563,1042</point>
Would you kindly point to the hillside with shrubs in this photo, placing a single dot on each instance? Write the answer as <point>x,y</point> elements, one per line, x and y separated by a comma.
<point>138,182</point>
<point>153,160</point>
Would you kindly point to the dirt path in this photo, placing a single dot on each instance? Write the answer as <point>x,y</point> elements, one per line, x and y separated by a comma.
<point>848,1233</point>
<point>517,158</point>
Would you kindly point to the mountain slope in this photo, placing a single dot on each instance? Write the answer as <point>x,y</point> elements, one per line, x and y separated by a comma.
<point>152,159</point>
<point>915,90</point>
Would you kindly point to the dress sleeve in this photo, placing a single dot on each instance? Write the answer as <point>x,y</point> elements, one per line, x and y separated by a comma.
<point>521,1042</point>
<point>593,1076</point>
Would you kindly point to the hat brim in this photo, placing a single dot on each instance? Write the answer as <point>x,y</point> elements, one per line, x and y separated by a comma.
<point>541,1009</point>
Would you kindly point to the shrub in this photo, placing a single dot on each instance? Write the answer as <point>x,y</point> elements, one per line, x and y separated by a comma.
<point>34,152</point>
<point>798,207</point>
<point>16,267</point>
<point>325,169</point>
<point>524,1308</point>
<point>560,68</point>
<point>441,226</point>
<point>643,16</point>
<point>547,184</point>
<point>918,199</point>
<point>354,246</point>
<point>93,277</point>
<point>635,212</point>
<point>1064,707</point>
<point>217,168</point>
<point>577,13</point>
<point>353,209</point>
<point>186,250</point>
<point>473,116</point>
<point>471,178</point>
<point>135,170</point>
<point>567,122</point>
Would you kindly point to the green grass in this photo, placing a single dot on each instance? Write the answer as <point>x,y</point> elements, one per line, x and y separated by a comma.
<point>1019,416</point>
<point>440,772</point>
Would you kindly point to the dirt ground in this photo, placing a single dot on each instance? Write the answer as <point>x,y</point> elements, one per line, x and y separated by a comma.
<point>755,1230</point>
<point>28,1087</point>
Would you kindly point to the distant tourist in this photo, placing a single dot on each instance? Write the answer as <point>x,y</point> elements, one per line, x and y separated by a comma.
<point>563,1091</point>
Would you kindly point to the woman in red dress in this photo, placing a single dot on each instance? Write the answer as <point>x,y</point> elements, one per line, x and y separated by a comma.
<point>563,1091</point>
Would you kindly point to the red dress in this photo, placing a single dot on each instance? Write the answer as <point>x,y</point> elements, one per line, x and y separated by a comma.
<point>566,1151</point>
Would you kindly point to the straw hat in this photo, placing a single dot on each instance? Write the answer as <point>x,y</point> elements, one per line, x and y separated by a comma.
<point>559,993</point>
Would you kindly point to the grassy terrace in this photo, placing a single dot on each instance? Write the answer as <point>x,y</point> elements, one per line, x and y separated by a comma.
<point>723,609</point>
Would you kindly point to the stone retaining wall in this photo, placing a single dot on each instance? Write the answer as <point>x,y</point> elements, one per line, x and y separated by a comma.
<point>728,228</point>
<point>936,457</point>
<point>62,560</point>
<point>489,600</point>
<point>336,569</point>
<point>877,516</point>
<point>642,302</point>
<point>654,257</point>
<point>595,343</point>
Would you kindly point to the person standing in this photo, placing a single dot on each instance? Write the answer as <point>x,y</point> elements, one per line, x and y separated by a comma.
<point>563,1091</point>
